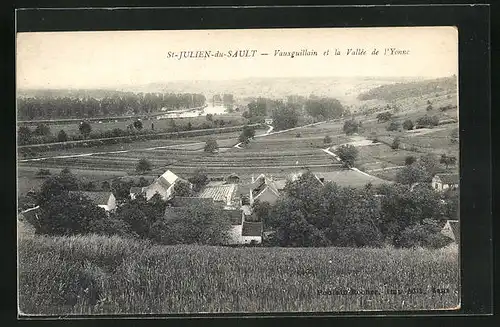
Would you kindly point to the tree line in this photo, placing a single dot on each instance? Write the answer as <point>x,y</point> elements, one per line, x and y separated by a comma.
<point>116,104</point>
<point>313,214</point>
<point>295,111</point>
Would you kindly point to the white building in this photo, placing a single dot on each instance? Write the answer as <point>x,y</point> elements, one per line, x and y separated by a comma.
<point>442,182</point>
<point>163,185</point>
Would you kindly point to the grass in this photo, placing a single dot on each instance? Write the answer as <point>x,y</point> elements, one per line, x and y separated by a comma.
<point>101,275</point>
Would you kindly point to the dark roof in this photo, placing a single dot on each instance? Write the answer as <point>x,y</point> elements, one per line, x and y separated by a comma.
<point>235,216</point>
<point>455,227</point>
<point>182,201</point>
<point>163,182</point>
<point>251,229</point>
<point>449,178</point>
<point>96,197</point>
<point>244,189</point>
<point>135,190</point>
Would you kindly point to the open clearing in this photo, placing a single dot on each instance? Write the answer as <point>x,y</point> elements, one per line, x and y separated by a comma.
<point>100,275</point>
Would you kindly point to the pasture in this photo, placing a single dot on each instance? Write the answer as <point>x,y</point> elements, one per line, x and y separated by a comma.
<point>103,275</point>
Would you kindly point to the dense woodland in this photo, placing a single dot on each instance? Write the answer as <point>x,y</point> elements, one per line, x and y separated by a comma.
<point>295,111</point>
<point>81,105</point>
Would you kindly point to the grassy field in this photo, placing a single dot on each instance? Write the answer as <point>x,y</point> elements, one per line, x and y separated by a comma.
<point>100,275</point>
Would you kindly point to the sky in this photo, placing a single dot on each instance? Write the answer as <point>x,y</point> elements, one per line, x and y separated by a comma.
<point>118,58</point>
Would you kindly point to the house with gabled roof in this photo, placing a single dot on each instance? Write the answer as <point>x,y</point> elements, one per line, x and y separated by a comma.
<point>163,185</point>
<point>105,200</point>
<point>263,189</point>
<point>441,182</point>
<point>251,232</point>
<point>452,230</point>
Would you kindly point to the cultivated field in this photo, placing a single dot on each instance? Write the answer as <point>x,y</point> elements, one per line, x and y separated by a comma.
<point>159,124</point>
<point>101,275</point>
<point>277,154</point>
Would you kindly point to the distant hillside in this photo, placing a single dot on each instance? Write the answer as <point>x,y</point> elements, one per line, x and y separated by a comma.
<point>398,91</point>
<point>70,93</point>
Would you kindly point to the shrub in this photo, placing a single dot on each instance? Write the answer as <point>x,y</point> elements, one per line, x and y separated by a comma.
<point>426,234</point>
<point>395,143</point>
<point>351,126</point>
<point>409,160</point>
<point>62,136</point>
<point>384,116</point>
<point>347,154</point>
<point>298,135</point>
<point>211,145</point>
<point>143,166</point>
<point>408,124</point>
<point>327,139</point>
<point>393,126</point>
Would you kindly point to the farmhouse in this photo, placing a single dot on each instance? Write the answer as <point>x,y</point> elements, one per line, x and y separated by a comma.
<point>452,230</point>
<point>268,121</point>
<point>263,189</point>
<point>163,185</point>
<point>441,182</point>
<point>295,176</point>
<point>251,232</point>
<point>105,200</point>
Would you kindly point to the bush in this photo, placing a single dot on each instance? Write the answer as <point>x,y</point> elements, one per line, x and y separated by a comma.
<point>62,136</point>
<point>393,126</point>
<point>327,140</point>
<point>409,160</point>
<point>384,116</point>
<point>211,145</point>
<point>426,234</point>
<point>347,154</point>
<point>298,135</point>
<point>395,143</point>
<point>351,126</point>
<point>428,121</point>
<point>408,124</point>
<point>143,166</point>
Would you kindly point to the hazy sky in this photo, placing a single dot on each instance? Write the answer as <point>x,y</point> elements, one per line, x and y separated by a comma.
<point>107,59</point>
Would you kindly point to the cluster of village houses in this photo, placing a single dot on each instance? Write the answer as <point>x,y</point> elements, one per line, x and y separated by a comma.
<point>237,198</point>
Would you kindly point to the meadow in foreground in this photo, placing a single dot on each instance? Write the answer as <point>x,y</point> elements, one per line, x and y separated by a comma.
<point>111,275</point>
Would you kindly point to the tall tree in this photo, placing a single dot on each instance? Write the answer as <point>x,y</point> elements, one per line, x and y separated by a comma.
<point>347,154</point>
<point>85,128</point>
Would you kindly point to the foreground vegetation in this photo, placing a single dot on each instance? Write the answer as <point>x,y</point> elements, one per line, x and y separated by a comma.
<point>103,275</point>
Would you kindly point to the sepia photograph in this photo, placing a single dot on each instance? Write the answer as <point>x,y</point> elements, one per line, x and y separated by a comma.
<point>266,170</point>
